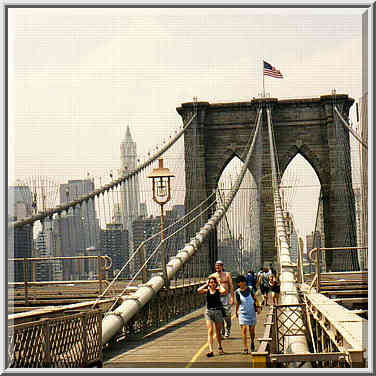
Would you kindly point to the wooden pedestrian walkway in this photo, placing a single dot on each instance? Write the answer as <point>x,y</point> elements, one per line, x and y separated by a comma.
<point>183,344</point>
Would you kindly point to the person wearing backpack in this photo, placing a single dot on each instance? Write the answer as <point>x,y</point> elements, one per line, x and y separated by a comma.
<point>264,284</point>
<point>250,277</point>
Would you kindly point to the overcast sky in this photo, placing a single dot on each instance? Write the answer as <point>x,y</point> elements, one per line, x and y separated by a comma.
<point>77,77</point>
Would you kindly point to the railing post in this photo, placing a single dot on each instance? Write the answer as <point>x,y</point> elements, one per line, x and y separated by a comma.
<point>33,272</point>
<point>84,338</point>
<point>47,361</point>
<point>100,276</point>
<point>25,281</point>
<point>99,337</point>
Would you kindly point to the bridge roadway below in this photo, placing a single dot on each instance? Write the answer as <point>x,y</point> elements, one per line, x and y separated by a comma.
<point>183,344</point>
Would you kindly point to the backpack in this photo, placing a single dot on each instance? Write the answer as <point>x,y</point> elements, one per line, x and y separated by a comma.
<point>265,280</point>
<point>250,280</point>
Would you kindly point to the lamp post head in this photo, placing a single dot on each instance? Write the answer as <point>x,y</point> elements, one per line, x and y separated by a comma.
<point>161,183</point>
<point>160,171</point>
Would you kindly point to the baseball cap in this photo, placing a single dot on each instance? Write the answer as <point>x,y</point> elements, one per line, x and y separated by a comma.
<point>219,262</point>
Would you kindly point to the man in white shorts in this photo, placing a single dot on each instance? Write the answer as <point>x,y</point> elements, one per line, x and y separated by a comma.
<point>228,299</point>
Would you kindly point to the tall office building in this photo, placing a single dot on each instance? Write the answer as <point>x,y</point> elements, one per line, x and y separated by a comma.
<point>20,201</point>
<point>78,231</point>
<point>114,243</point>
<point>20,240</point>
<point>130,198</point>
<point>86,212</point>
<point>43,245</point>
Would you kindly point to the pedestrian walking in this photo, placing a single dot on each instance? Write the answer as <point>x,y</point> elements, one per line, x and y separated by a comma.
<point>246,308</point>
<point>251,281</point>
<point>264,284</point>
<point>275,284</point>
<point>214,312</point>
<point>228,299</point>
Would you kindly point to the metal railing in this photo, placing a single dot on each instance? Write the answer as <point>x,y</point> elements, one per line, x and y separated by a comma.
<point>317,251</point>
<point>104,263</point>
<point>72,341</point>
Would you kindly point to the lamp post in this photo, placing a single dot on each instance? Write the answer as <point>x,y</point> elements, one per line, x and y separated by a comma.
<point>161,177</point>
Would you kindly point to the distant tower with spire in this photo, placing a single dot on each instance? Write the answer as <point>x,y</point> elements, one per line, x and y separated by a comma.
<point>130,198</point>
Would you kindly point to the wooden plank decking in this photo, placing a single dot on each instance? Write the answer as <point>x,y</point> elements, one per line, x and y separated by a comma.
<point>183,344</point>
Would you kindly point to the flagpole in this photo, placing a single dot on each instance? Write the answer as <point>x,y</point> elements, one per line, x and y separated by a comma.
<point>263,80</point>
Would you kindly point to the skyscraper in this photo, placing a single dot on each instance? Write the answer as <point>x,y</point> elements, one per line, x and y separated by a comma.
<point>86,212</point>
<point>20,240</point>
<point>130,197</point>
<point>114,243</point>
<point>43,244</point>
<point>78,230</point>
<point>20,200</point>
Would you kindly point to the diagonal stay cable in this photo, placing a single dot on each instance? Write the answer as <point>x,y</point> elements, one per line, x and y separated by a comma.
<point>156,249</point>
<point>357,137</point>
<point>152,237</point>
<point>102,190</point>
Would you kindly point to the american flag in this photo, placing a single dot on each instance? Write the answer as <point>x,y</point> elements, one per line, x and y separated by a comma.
<point>271,71</point>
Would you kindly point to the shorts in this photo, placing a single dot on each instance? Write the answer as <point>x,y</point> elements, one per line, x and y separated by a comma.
<point>214,315</point>
<point>276,289</point>
<point>264,290</point>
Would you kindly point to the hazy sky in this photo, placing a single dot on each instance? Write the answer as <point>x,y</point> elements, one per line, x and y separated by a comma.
<point>77,77</point>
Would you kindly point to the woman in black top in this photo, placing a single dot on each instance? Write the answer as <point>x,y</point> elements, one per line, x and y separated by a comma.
<point>213,314</point>
<point>276,288</point>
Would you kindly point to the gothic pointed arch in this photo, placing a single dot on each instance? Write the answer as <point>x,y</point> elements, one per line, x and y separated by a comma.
<point>224,162</point>
<point>307,153</point>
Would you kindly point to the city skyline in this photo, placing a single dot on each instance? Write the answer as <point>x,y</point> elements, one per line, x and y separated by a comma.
<point>99,87</point>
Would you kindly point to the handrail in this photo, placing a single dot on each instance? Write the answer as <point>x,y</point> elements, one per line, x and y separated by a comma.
<point>26,283</point>
<point>317,252</point>
<point>333,249</point>
<point>265,340</point>
<point>105,257</point>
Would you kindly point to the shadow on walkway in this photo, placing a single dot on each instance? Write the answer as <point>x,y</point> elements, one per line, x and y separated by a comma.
<point>131,343</point>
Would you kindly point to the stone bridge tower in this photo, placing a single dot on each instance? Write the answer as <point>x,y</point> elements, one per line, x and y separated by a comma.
<point>306,126</point>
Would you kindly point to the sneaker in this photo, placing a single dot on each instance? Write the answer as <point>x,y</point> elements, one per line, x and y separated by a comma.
<point>227,334</point>
<point>210,354</point>
<point>252,347</point>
